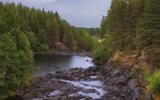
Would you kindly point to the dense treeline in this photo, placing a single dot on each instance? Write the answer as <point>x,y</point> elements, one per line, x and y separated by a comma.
<point>133,25</point>
<point>42,28</point>
<point>86,40</point>
<point>24,31</point>
<point>16,59</point>
<point>91,31</point>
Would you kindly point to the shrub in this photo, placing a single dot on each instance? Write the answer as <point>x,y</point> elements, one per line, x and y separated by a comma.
<point>101,54</point>
<point>42,47</point>
<point>154,81</point>
<point>93,43</point>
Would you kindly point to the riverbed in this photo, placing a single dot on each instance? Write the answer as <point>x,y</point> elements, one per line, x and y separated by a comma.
<point>108,82</point>
<point>64,77</point>
<point>73,84</point>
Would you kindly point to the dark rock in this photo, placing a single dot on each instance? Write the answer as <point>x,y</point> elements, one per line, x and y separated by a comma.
<point>132,84</point>
<point>135,94</point>
<point>120,84</point>
<point>89,91</point>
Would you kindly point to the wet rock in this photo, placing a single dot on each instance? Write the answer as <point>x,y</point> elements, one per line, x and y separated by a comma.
<point>119,84</point>
<point>135,94</point>
<point>89,91</point>
<point>44,87</point>
<point>132,84</point>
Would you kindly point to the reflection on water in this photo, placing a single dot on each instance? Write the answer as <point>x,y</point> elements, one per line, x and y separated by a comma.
<point>50,63</point>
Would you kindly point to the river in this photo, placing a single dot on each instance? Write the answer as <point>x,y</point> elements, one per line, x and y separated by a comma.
<point>50,63</point>
<point>90,87</point>
<point>82,83</point>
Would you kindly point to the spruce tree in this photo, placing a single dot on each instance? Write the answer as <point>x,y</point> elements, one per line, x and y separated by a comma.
<point>148,31</point>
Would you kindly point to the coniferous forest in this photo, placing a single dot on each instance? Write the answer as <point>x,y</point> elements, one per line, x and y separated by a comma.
<point>125,51</point>
<point>25,31</point>
<point>133,25</point>
<point>131,30</point>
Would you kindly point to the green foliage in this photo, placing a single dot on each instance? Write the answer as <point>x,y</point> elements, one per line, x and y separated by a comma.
<point>42,28</point>
<point>23,46</point>
<point>42,47</point>
<point>115,24</point>
<point>133,25</point>
<point>154,81</point>
<point>25,30</point>
<point>101,54</point>
<point>32,39</point>
<point>119,26</point>
<point>15,61</point>
<point>91,31</point>
<point>93,42</point>
<point>7,53</point>
<point>148,31</point>
<point>83,40</point>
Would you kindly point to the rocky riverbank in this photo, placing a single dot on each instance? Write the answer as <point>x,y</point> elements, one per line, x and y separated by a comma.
<point>74,84</point>
<point>124,83</point>
<point>110,82</point>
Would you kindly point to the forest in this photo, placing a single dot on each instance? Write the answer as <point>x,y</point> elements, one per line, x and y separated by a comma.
<point>25,31</point>
<point>133,26</point>
<point>125,51</point>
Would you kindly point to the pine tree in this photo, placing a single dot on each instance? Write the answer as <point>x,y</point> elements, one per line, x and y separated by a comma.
<point>148,33</point>
<point>116,24</point>
<point>135,11</point>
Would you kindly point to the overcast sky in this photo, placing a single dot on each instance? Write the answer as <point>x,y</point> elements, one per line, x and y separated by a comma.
<point>83,13</point>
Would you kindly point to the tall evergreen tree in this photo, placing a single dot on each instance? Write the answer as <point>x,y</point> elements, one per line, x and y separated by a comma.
<point>116,24</point>
<point>148,31</point>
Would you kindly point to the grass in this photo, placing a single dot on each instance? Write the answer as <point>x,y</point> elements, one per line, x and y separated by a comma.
<point>154,81</point>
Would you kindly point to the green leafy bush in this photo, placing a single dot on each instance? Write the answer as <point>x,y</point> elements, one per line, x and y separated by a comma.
<point>42,47</point>
<point>101,54</point>
<point>93,43</point>
<point>154,81</point>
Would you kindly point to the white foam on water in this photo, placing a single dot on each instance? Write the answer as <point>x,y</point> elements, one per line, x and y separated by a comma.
<point>93,95</point>
<point>54,93</point>
<point>93,77</point>
<point>96,85</point>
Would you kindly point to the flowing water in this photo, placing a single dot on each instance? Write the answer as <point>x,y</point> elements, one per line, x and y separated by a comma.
<point>51,63</point>
<point>96,85</point>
